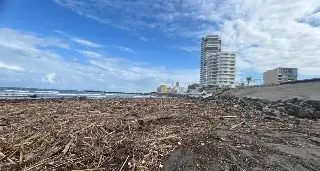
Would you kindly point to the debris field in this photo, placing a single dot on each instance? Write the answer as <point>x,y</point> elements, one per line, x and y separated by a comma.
<point>225,133</point>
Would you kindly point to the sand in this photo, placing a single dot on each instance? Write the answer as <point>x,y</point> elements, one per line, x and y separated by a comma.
<point>310,91</point>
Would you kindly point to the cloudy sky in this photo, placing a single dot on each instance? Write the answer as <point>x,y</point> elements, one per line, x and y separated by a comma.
<point>135,45</point>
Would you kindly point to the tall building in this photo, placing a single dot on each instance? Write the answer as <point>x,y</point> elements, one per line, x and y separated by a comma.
<point>217,68</point>
<point>177,84</point>
<point>280,75</point>
<point>210,48</point>
<point>226,69</point>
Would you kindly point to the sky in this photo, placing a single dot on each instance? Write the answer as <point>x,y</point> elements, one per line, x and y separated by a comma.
<point>136,45</point>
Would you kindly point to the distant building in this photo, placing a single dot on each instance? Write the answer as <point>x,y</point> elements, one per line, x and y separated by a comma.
<point>217,68</point>
<point>177,84</point>
<point>181,90</point>
<point>162,89</point>
<point>280,75</point>
<point>169,90</point>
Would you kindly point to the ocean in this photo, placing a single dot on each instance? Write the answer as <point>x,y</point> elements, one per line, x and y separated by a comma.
<point>33,93</point>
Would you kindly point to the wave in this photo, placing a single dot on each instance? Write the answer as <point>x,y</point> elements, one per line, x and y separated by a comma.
<point>9,90</point>
<point>47,92</point>
<point>17,91</point>
<point>67,94</point>
<point>141,96</point>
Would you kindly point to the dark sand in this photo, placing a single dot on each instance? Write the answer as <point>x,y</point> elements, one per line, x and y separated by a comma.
<point>309,91</point>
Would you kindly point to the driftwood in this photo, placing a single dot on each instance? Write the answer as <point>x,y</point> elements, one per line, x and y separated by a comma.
<point>126,134</point>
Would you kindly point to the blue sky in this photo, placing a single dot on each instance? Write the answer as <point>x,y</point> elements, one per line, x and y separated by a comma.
<point>136,45</point>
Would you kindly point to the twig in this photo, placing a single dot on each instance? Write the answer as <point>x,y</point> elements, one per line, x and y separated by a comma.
<point>83,129</point>
<point>36,165</point>
<point>6,157</point>
<point>168,137</point>
<point>66,148</point>
<point>237,125</point>
<point>124,163</point>
<point>226,117</point>
<point>91,169</point>
<point>2,156</point>
<point>133,160</point>
<point>236,161</point>
<point>21,155</point>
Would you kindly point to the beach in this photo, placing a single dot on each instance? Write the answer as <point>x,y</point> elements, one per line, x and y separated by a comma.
<point>153,134</point>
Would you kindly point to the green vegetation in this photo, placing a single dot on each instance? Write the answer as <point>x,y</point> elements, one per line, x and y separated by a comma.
<point>249,79</point>
<point>193,86</point>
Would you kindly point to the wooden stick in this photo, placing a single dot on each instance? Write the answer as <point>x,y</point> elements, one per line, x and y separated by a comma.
<point>66,148</point>
<point>124,163</point>
<point>21,156</point>
<point>36,165</point>
<point>237,125</point>
<point>228,116</point>
<point>220,117</point>
<point>2,156</point>
<point>236,162</point>
<point>91,169</point>
<point>6,157</point>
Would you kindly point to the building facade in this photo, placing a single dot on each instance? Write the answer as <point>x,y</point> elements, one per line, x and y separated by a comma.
<point>280,75</point>
<point>217,68</point>
<point>182,90</point>
<point>226,69</point>
<point>162,89</point>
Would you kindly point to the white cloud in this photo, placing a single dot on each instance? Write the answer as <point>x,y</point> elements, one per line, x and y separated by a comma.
<point>145,75</point>
<point>19,39</point>
<point>10,67</point>
<point>143,38</point>
<point>90,54</point>
<point>188,48</point>
<point>29,66</point>
<point>126,49</point>
<point>79,40</point>
<point>264,33</point>
<point>50,78</point>
<point>87,43</point>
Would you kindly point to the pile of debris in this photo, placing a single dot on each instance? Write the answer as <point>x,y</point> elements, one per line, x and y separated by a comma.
<point>149,134</point>
<point>294,107</point>
<point>299,108</point>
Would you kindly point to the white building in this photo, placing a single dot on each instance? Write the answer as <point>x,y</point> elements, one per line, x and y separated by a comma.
<point>182,90</point>
<point>210,47</point>
<point>226,69</point>
<point>217,67</point>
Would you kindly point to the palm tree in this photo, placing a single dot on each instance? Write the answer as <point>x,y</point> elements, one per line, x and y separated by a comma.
<point>249,79</point>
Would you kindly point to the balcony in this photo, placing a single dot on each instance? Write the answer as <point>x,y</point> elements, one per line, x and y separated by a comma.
<point>212,47</point>
<point>227,61</point>
<point>227,64</point>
